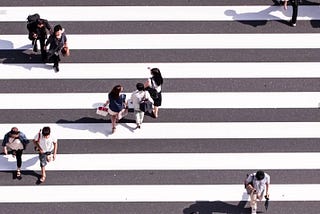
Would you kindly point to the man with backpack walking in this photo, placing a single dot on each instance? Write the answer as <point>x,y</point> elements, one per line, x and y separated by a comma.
<point>38,29</point>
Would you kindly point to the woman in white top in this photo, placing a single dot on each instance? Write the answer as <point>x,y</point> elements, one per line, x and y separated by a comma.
<point>136,97</point>
<point>154,86</point>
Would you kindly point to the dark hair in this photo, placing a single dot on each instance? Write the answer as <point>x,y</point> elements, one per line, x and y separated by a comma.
<point>115,92</point>
<point>57,28</point>
<point>14,131</point>
<point>46,131</point>
<point>40,21</point>
<point>156,76</point>
<point>260,175</point>
<point>140,86</point>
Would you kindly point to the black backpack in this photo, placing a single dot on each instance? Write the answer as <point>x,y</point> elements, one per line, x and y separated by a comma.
<point>33,18</point>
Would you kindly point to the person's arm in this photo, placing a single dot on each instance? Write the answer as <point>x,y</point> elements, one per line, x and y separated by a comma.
<point>55,145</point>
<point>267,190</point>
<point>36,142</point>
<point>4,142</point>
<point>24,139</point>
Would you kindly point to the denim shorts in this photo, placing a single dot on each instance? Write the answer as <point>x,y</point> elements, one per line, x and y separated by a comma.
<point>43,158</point>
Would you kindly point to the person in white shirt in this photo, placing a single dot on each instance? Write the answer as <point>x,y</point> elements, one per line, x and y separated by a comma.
<point>136,97</point>
<point>257,184</point>
<point>47,145</point>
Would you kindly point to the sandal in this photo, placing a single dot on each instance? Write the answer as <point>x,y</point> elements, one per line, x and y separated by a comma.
<point>113,129</point>
<point>42,179</point>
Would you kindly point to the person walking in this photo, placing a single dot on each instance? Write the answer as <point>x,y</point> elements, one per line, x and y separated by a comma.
<point>154,86</point>
<point>257,184</point>
<point>47,146</point>
<point>117,105</point>
<point>294,4</point>
<point>38,30</point>
<point>58,43</point>
<point>14,143</point>
<point>136,97</point>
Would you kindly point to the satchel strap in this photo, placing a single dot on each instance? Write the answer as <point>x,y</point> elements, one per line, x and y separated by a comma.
<point>152,85</point>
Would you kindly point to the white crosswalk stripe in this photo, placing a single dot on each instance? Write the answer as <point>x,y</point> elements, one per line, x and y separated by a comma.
<point>69,98</point>
<point>180,41</point>
<point>169,70</point>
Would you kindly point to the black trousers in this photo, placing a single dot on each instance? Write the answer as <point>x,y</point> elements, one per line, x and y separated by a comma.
<point>294,4</point>
<point>18,154</point>
<point>53,57</point>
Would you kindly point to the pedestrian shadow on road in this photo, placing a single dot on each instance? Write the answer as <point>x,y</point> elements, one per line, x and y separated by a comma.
<point>104,128</point>
<point>11,165</point>
<point>23,56</point>
<point>207,207</point>
<point>252,18</point>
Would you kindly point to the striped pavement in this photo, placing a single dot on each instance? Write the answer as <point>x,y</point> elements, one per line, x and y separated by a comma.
<point>241,93</point>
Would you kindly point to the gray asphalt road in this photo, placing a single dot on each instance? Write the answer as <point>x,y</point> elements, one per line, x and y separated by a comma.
<point>162,177</point>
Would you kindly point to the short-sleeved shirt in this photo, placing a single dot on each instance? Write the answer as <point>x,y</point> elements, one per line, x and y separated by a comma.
<point>46,144</point>
<point>260,186</point>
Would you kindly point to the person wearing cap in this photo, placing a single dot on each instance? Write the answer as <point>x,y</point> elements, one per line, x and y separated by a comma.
<point>47,146</point>
<point>257,184</point>
<point>14,143</point>
<point>137,96</point>
<point>38,31</point>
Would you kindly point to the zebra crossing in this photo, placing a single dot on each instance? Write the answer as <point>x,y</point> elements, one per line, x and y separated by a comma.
<point>236,98</point>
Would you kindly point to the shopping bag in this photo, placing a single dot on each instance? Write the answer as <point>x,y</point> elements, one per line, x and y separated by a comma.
<point>130,106</point>
<point>102,111</point>
<point>146,106</point>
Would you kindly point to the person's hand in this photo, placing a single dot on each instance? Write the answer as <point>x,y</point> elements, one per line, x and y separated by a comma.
<point>35,35</point>
<point>54,156</point>
<point>266,196</point>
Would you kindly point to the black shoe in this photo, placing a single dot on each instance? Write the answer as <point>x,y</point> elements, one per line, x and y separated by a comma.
<point>56,67</point>
<point>292,24</point>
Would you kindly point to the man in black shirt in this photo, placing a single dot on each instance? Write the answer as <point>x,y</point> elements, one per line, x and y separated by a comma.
<point>38,31</point>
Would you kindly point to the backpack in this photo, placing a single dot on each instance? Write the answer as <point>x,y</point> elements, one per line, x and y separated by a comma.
<point>33,18</point>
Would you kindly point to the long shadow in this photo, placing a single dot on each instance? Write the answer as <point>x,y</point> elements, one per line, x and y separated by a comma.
<point>102,129</point>
<point>247,18</point>
<point>207,207</point>
<point>11,165</point>
<point>23,57</point>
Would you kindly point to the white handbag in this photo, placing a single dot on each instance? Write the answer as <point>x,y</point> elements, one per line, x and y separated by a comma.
<point>102,110</point>
<point>130,105</point>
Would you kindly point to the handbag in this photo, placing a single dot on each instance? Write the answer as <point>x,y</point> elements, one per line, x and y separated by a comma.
<point>102,111</point>
<point>65,51</point>
<point>152,91</point>
<point>145,105</point>
<point>130,105</point>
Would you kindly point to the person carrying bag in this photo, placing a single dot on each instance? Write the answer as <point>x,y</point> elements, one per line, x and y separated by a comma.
<point>142,102</point>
